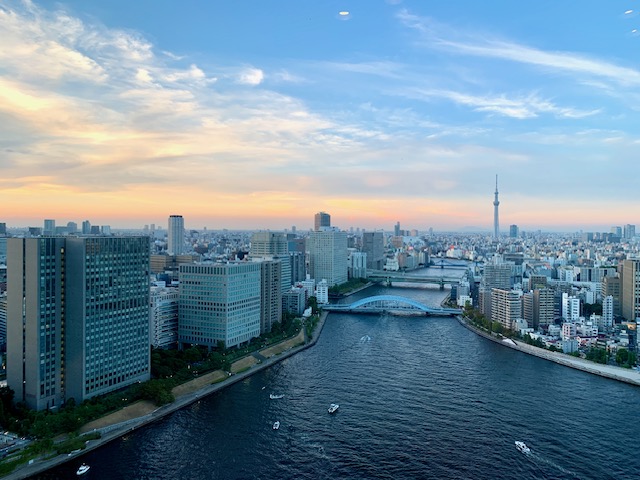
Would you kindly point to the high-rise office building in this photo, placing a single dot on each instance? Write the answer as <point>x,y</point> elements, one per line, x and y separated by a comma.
<point>298,264</point>
<point>86,227</point>
<point>268,243</point>
<point>35,315</point>
<point>273,246</point>
<point>77,317</point>
<point>373,246</point>
<point>396,229</point>
<point>175,235</point>
<point>3,228</point>
<point>219,303</point>
<point>630,289</point>
<point>513,231</point>
<point>107,314</point>
<point>322,219</point>
<point>629,231</point>
<point>328,256</point>
<point>496,203</point>
<point>49,227</point>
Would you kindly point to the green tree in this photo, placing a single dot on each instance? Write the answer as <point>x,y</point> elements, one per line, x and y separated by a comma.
<point>313,303</point>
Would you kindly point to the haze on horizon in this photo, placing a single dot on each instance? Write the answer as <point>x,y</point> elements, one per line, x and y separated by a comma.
<point>247,116</point>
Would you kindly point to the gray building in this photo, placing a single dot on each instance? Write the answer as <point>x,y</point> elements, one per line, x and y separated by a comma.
<point>373,246</point>
<point>77,317</point>
<point>270,293</point>
<point>107,314</point>
<point>328,256</point>
<point>219,303</point>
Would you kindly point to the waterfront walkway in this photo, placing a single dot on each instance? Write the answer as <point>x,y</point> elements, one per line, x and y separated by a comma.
<point>620,374</point>
<point>110,432</point>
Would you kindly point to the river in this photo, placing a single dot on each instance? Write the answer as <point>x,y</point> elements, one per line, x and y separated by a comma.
<point>420,398</point>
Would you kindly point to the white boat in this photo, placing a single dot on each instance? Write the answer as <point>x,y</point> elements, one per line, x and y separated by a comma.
<point>273,396</point>
<point>84,468</point>
<point>333,407</point>
<point>276,425</point>
<point>521,446</point>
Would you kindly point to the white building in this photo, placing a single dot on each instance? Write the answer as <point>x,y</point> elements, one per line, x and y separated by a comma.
<point>175,235</point>
<point>357,264</point>
<point>570,308</point>
<point>607,312</point>
<point>163,314</point>
<point>322,292</point>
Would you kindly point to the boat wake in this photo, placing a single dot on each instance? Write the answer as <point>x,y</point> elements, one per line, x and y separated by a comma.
<point>540,459</point>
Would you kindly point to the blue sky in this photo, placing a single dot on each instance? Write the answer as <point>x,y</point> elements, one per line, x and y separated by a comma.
<point>257,114</point>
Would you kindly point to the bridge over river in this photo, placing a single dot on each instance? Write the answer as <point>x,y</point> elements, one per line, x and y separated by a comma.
<point>391,304</point>
<point>389,277</point>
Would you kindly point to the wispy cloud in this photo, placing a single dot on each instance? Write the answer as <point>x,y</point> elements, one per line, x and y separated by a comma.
<point>435,35</point>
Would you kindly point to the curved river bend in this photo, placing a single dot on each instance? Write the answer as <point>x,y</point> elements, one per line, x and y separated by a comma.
<point>419,398</point>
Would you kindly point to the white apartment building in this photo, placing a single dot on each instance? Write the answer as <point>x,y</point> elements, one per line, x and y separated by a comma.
<point>163,316</point>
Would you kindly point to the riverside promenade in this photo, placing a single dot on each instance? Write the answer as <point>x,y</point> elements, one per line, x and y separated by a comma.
<point>608,371</point>
<point>113,432</point>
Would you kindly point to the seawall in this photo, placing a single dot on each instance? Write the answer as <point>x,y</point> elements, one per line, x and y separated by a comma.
<point>620,374</point>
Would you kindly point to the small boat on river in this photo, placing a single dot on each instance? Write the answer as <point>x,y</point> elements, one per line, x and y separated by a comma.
<point>276,425</point>
<point>84,468</point>
<point>522,447</point>
<point>333,407</point>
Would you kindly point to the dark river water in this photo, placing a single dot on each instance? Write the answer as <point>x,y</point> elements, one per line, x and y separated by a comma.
<point>420,398</point>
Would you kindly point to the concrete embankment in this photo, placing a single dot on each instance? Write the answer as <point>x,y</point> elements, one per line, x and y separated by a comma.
<point>615,373</point>
<point>114,432</point>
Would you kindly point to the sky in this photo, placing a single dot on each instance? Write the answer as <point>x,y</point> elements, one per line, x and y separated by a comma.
<point>257,114</point>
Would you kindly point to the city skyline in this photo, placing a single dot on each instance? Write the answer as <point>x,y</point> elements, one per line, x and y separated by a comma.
<point>248,117</point>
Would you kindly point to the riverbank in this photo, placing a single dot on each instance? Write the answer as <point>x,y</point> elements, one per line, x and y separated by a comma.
<point>263,359</point>
<point>620,374</point>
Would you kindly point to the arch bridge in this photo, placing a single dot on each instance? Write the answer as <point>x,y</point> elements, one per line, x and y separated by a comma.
<point>391,303</point>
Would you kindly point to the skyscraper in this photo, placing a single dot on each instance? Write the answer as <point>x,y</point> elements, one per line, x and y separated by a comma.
<point>175,235</point>
<point>35,314</point>
<point>328,256</point>
<point>373,246</point>
<point>321,219</point>
<point>107,314</point>
<point>77,317</point>
<point>496,202</point>
<point>629,231</point>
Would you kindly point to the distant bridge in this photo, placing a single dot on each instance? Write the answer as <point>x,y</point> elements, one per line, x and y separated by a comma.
<point>389,278</point>
<point>448,263</point>
<point>391,303</point>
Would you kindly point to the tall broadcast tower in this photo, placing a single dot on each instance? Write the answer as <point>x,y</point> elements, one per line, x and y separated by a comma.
<point>496,202</point>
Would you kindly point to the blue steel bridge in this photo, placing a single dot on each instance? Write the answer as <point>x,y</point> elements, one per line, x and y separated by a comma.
<point>391,303</point>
